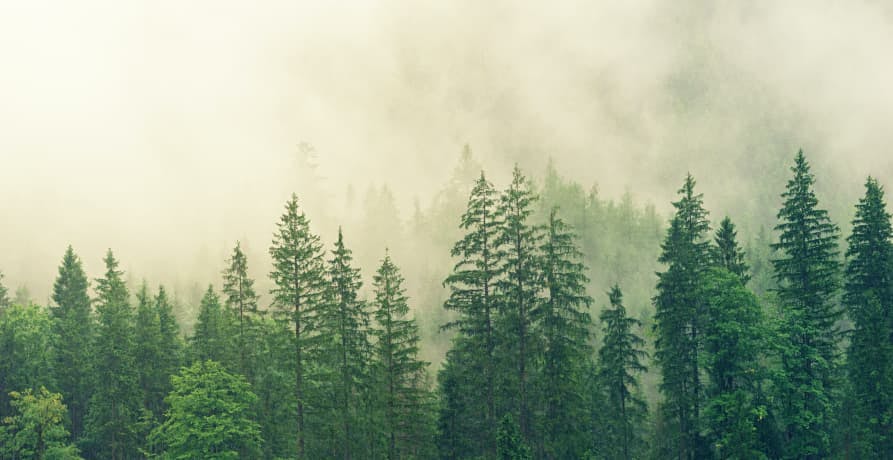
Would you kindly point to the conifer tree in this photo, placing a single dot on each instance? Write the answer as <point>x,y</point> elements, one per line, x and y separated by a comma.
<point>211,339</point>
<point>620,362</point>
<point>519,288</point>
<point>146,351</point>
<point>4,295</point>
<point>679,318</point>
<point>727,253</point>
<point>564,324</point>
<point>472,287</point>
<point>400,374</point>
<point>115,403</point>
<point>241,299</point>
<point>868,297</point>
<point>510,444</point>
<point>349,324</point>
<point>807,275</point>
<point>170,346</point>
<point>299,275</point>
<point>73,329</point>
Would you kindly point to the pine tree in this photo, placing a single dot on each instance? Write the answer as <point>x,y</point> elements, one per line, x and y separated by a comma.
<point>473,296</point>
<point>735,337</point>
<point>868,297</point>
<point>349,324</point>
<point>73,334</point>
<point>238,290</point>
<point>211,339</point>
<point>400,375</point>
<point>115,403</point>
<point>564,325</point>
<point>519,288</point>
<point>726,252</point>
<point>807,272</point>
<point>620,362</point>
<point>679,318</point>
<point>299,275</point>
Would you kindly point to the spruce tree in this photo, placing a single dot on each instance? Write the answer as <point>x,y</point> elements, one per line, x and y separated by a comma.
<point>299,275</point>
<point>73,334</point>
<point>620,363</point>
<point>349,324</point>
<point>170,345</point>
<point>115,404</point>
<point>146,351</point>
<point>727,253</point>
<point>564,324</point>
<point>400,374</point>
<point>472,287</point>
<point>679,318</point>
<point>211,339</point>
<point>868,297</point>
<point>241,299</point>
<point>519,287</point>
<point>807,275</point>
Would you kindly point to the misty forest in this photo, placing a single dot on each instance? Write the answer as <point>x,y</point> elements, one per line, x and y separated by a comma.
<point>446,230</point>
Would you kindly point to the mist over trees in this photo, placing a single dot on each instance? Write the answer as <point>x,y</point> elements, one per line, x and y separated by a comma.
<point>553,324</point>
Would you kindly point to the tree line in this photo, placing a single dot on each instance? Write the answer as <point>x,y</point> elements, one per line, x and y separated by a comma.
<point>803,370</point>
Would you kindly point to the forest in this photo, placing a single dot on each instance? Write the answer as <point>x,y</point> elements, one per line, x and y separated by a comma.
<point>780,347</point>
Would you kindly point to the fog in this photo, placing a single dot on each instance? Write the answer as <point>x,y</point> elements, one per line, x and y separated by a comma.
<point>167,130</point>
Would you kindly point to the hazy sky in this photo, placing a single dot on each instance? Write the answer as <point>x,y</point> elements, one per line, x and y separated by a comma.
<point>166,128</point>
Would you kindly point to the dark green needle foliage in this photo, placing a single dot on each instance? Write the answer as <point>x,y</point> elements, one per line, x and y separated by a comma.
<point>298,296</point>
<point>510,444</point>
<point>807,272</point>
<point>869,298</point>
<point>679,319</point>
<point>73,328</point>
<point>212,337</point>
<point>564,324</point>
<point>620,365</point>
<point>472,287</point>
<point>241,300</point>
<point>727,253</point>
<point>116,402</point>
<point>401,379</point>
<point>208,416</point>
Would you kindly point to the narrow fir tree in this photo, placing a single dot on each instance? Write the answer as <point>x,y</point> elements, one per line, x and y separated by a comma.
<point>726,252</point>
<point>400,374</point>
<point>473,296</point>
<point>519,288</point>
<point>211,339</point>
<point>620,363</point>
<point>807,272</point>
<point>146,351</point>
<point>679,318</point>
<point>73,329</point>
<point>868,297</point>
<point>299,275</point>
<point>238,290</point>
<point>115,403</point>
<point>564,324</point>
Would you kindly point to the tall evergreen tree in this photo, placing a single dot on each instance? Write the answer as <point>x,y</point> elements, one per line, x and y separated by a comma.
<point>807,276</point>
<point>73,328</point>
<point>868,297</point>
<point>147,332</point>
<point>400,373</point>
<point>473,296</point>
<point>564,324</point>
<point>4,295</point>
<point>299,275</point>
<point>349,324</point>
<point>679,318</point>
<point>519,287</point>
<point>241,299</point>
<point>115,403</point>
<point>727,253</point>
<point>620,362</point>
<point>211,339</point>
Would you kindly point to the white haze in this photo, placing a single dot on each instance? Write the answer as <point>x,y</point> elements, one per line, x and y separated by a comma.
<point>167,130</point>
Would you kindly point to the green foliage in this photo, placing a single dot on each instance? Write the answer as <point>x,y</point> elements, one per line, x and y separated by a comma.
<point>208,416</point>
<point>26,351</point>
<point>241,300</point>
<point>563,323</point>
<point>158,348</point>
<point>73,333</point>
<point>510,444</point>
<point>679,319</point>
<point>299,295</point>
<point>4,295</point>
<point>115,403</point>
<point>868,297</point>
<point>401,379</point>
<point>36,430</point>
<point>620,363</point>
<point>211,339</point>
<point>807,272</point>
<point>726,253</point>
